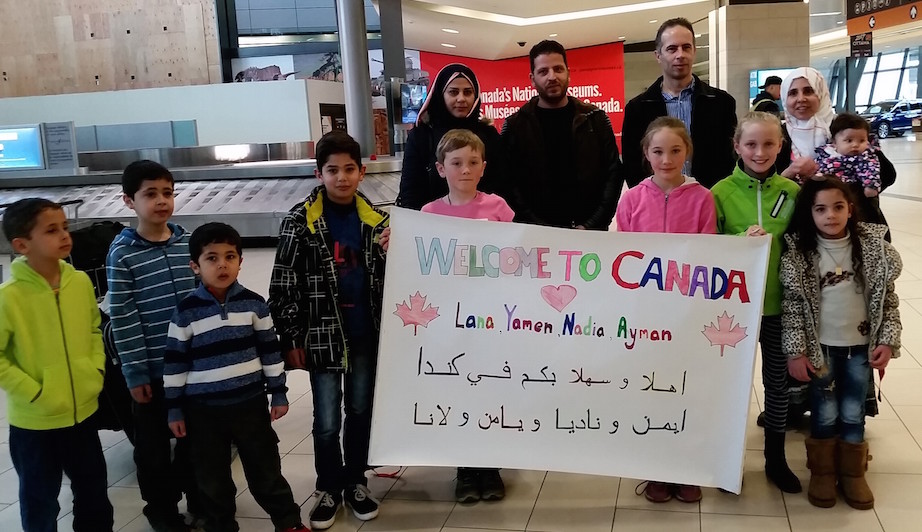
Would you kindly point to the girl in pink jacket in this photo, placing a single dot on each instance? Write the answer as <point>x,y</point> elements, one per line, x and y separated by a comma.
<point>667,202</point>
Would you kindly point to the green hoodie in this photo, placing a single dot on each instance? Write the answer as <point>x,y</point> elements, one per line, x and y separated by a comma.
<point>51,356</point>
<point>743,201</point>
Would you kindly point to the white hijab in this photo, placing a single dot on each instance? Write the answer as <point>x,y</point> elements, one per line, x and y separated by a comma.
<point>807,135</point>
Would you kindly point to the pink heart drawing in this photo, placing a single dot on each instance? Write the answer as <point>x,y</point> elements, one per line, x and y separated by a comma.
<point>558,297</point>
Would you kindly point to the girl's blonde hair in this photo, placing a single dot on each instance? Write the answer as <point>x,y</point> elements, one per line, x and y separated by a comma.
<point>756,117</point>
<point>667,122</point>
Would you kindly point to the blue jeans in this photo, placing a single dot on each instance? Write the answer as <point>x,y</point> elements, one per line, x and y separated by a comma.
<point>838,392</point>
<point>333,472</point>
<point>41,456</point>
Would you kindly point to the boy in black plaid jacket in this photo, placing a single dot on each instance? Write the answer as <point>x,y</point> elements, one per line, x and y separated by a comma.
<point>325,296</point>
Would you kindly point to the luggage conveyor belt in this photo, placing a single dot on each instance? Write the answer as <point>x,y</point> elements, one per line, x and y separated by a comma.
<point>255,207</point>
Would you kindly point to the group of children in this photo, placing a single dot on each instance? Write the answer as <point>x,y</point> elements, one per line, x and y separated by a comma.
<point>200,361</point>
<point>830,313</point>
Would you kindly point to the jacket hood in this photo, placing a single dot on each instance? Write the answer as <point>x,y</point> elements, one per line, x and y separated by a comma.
<point>21,271</point>
<point>313,207</point>
<point>129,236</point>
<point>865,228</point>
<point>690,182</point>
<point>740,176</point>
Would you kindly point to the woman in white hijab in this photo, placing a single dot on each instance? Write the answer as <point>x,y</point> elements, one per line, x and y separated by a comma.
<point>807,114</point>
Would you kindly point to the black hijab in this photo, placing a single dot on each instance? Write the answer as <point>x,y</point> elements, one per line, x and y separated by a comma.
<point>434,108</point>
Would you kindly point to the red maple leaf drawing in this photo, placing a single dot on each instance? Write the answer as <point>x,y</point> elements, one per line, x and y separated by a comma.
<point>417,313</point>
<point>725,333</point>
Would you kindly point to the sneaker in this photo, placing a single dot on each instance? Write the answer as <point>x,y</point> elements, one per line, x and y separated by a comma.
<point>657,492</point>
<point>467,489</point>
<point>686,493</point>
<point>491,485</point>
<point>299,528</point>
<point>323,514</point>
<point>363,505</point>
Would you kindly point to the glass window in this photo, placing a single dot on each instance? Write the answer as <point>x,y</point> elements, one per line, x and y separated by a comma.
<point>890,61</point>
<point>908,87</point>
<point>881,107</point>
<point>871,64</point>
<point>863,94</point>
<point>913,57</point>
<point>885,87</point>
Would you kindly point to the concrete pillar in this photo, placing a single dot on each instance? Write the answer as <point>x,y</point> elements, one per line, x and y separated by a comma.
<point>395,68</point>
<point>353,48</point>
<point>756,36</point>
<point>391,14</point>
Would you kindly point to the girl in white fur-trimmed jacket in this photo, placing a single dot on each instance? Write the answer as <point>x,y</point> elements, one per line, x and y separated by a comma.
<point>840,319</point>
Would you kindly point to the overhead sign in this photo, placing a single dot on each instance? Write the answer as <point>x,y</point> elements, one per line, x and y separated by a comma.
<point>621,354</point>
<point>867,15</point>
<point>861,45</point>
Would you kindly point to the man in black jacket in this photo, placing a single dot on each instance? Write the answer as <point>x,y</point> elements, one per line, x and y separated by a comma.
<point>563,160</point>
<point>766,101</point>
<point>708,113</point>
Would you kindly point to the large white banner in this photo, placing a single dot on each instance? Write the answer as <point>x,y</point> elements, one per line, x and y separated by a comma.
<point>525,347</point>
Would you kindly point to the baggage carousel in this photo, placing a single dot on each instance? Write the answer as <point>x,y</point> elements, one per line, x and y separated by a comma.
<point>252,196</point>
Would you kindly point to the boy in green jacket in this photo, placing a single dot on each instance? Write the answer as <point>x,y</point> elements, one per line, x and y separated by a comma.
<point>51,367</point>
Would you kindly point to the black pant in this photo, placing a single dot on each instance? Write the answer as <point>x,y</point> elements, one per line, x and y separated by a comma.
<point>162,476</point>
<point>40,457</point>
<point>339,466</point>
<point>211,429</point>
<point>774,374</point>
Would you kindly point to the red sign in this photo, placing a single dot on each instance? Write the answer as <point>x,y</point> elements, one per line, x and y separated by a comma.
<point>596,76</point>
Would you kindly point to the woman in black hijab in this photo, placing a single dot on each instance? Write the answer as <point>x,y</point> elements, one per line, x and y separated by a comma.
<point>453,102</point>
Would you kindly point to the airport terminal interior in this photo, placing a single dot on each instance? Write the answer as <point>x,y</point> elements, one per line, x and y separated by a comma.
<point>243,153</point>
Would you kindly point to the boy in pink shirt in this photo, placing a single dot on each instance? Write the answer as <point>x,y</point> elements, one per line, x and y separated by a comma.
<point>460,160</point>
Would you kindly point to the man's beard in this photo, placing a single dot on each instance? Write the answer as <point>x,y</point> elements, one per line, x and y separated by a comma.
<point>553,99</point>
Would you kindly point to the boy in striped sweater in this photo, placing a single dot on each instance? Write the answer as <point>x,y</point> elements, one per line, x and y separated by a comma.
<point>148,274</point>
<point>222,359</point>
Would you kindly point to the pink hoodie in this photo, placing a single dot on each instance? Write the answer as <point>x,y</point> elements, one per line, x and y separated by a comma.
<point>688,208</point>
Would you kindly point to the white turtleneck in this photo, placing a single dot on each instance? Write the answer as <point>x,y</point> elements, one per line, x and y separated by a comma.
<point>843,309</point>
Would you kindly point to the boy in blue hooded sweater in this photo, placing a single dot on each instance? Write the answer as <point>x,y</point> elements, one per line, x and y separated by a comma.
<point>148,275</point>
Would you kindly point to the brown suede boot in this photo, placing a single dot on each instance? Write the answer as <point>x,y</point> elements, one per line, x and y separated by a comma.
<point>821,461</point>
<point>853,462</point>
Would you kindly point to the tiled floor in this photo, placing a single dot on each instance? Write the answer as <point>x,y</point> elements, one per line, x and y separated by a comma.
<point>421,499</point>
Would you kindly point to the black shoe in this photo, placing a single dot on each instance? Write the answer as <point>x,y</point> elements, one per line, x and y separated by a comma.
<point>467,488</point>
<point>491,485</point>
<point>323,514</point>
<point>776,465</point>
<point>170,523</point>
<point>364,506</point>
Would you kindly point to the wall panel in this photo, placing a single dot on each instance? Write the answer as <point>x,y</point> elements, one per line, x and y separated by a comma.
<point>68,46</point>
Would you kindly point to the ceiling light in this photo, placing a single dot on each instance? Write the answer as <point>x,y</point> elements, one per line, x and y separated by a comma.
<point>654,21</point>
<point>826,14</point>
<point>547,19</point>
<point>446,45</point>
<point>449,30</point>
<point>697,35</point>
<point>552,35</point>
<point>621,38</point>
<point>840,22</point>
